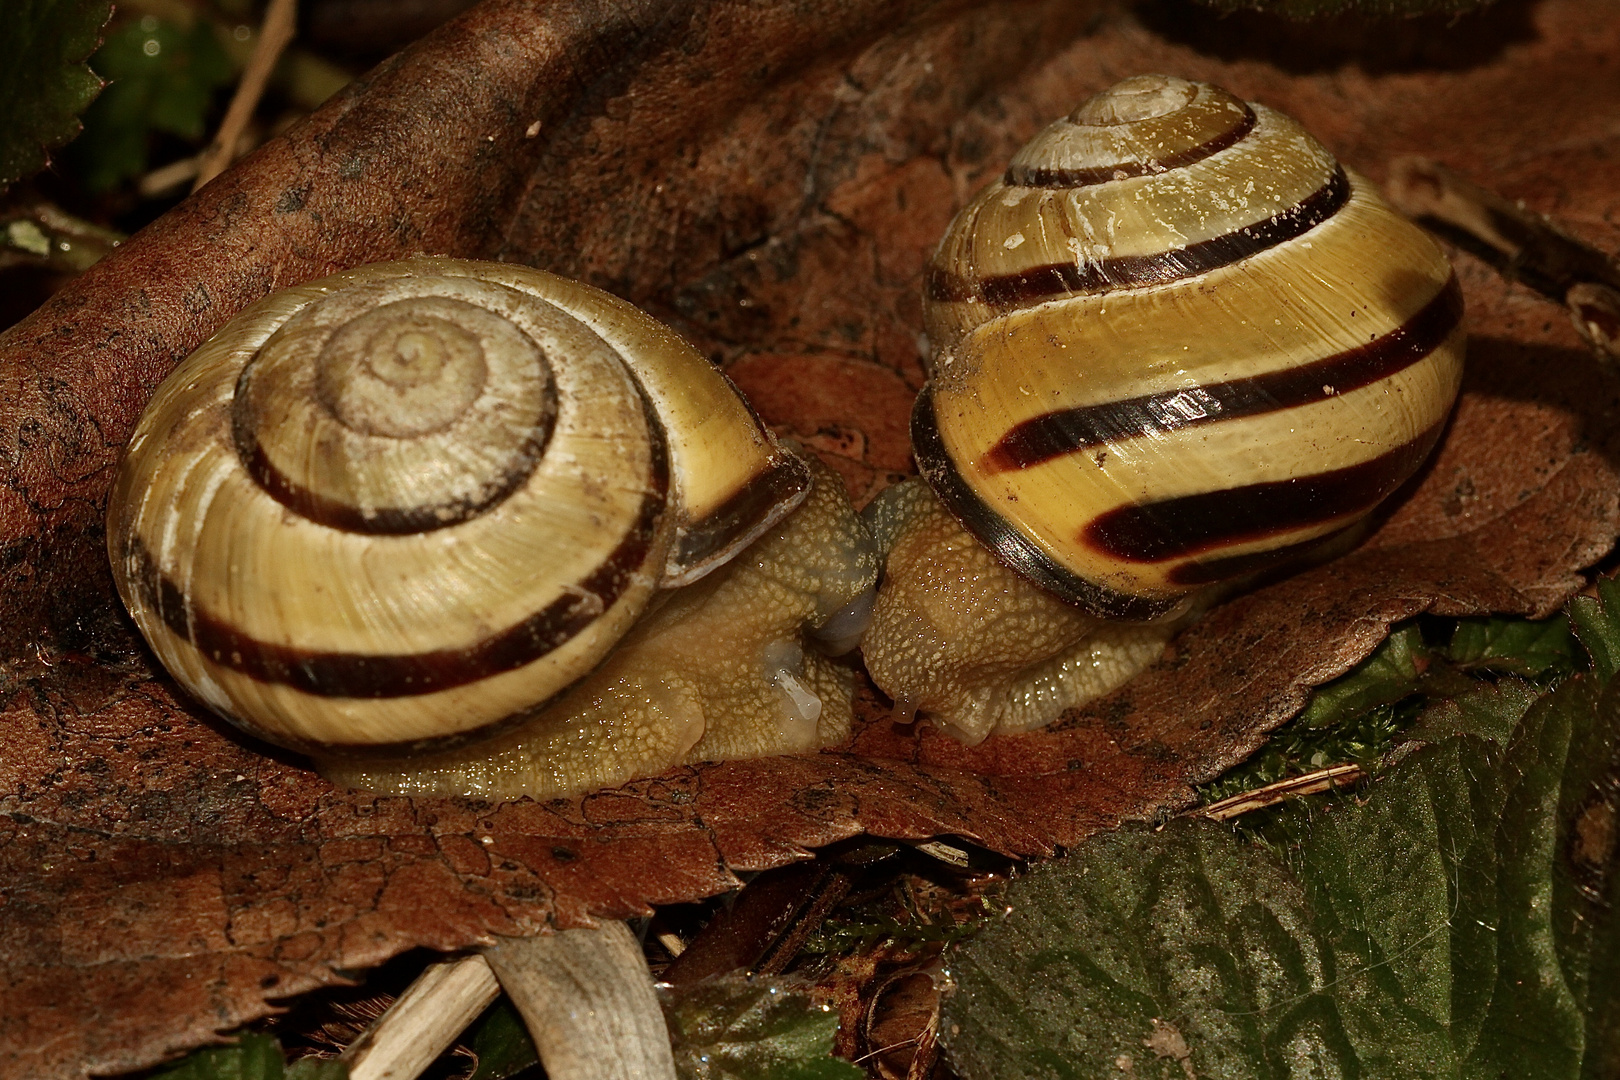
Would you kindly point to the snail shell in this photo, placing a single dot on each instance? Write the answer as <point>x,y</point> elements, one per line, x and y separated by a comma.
<point>1177,343</point>
<point>404,503</point>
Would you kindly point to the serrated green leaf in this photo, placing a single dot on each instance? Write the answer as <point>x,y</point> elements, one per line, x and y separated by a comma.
<point>252,1057</point>
<point>1490,710</point>
<point>161,78</point>
<point>1447,926</point>
<point>1190,927</point>
<point>45,84</point>
<point>502,1043</point>
<point>1321,9</point>
<point>734,1028</point>
<point>1545,647</point>
<point>1596,832</point>
<point>1597,624</point>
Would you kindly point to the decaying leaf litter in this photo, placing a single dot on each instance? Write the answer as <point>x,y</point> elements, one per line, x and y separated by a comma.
<point>136,823</point>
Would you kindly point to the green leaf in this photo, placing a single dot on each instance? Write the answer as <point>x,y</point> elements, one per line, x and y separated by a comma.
<point>827,1068</point>
<point>1489,710</point>
<point>1516,646</point>
<point>44,84</point>
<point>1595,831</point>
<point>1191,927</point>
<point>162,78</point>
<point>502,1043</point>
<point>1597,624</point>
<point>734,1028</point>
<point>311,1068</point>
<point>253,1057</point>
<point>1321,9</point>
<point>1456,923</point>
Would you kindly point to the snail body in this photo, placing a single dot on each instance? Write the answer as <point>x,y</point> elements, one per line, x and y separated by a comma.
<point>1175,345</point>
<point>408,504</point>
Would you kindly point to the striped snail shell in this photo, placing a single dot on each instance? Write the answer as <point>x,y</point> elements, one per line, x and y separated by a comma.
<point>1176,343</point>
<point>401,504</point>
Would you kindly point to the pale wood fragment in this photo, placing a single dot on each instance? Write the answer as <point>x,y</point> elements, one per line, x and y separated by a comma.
<point>588,1000</point>
<point>280,23</point>
<point>1334,776</point>
<point>424,1021</point>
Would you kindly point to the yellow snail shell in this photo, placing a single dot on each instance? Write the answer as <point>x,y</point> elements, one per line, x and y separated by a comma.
<point>1176,344</point>
<point>408,503</point>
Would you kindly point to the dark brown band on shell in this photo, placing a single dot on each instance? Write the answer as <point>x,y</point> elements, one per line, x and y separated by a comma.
<point>1230,567</point>
<point>1066,431</point>
<point>1040,177</point>
<point>1041,283</point>
<point>355,675</point>
<point>1195,524</point>
<point>387,520</point>
<point>1016,552</point>
<point>767,498</point>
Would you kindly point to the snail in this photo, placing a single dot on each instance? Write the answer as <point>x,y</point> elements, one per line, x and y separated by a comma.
<point>1175,345</point>
<point>403,509</point>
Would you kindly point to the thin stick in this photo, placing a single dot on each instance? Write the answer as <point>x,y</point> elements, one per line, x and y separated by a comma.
<point>763,930</point>
<point>165,179</point>
<point>280,20</point>
<point>1334,776</point>
<point>424,1021</point>
<point>588,1000</point>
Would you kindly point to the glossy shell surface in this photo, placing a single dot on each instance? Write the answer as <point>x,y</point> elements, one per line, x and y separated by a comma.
<point>407,502</point>
<point>1176,343</point>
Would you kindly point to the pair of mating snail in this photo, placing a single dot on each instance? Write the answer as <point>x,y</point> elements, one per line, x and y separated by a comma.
<point>467,527</point>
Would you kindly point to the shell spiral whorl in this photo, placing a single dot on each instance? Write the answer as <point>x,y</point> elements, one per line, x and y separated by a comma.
<point>1175,343</point>
<point>410,501</point>
<point>398,414</point>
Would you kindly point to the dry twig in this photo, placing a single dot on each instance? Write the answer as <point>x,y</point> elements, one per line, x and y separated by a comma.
<point>1334,776</point>
<point>424,1021</point>
<point>274,35</point>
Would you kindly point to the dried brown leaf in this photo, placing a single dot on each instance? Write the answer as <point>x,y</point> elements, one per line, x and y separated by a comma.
<point>769,179</point>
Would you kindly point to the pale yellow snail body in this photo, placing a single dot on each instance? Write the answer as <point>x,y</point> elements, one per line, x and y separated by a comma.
<point>405,507</point>
<point>1175,345</point>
